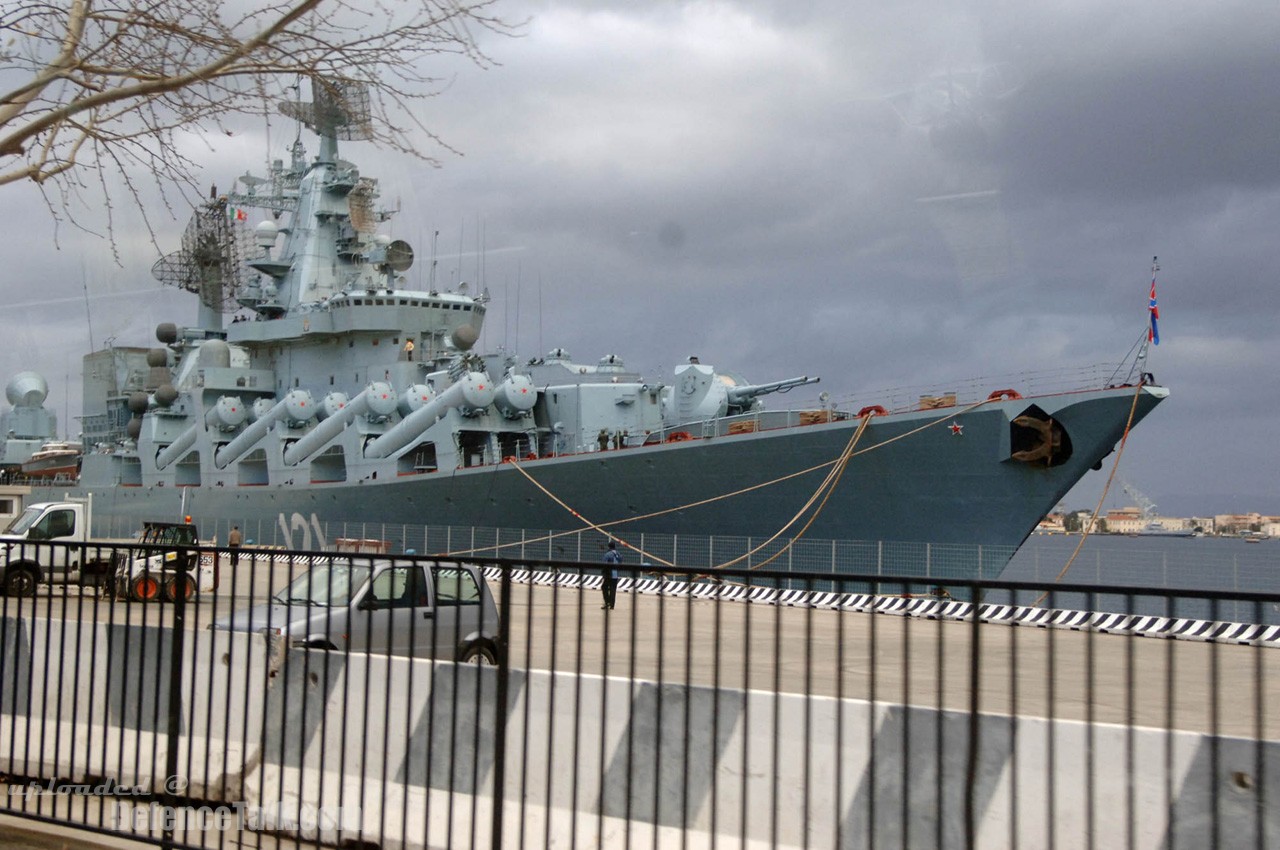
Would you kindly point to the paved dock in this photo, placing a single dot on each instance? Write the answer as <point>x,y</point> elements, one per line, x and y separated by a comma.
<point>1024,671</point>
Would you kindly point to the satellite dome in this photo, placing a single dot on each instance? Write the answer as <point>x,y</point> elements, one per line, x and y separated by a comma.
<point>166,395</point>
<point>265,234</point>
<point>464,337</point>
<point>27,389</point>
<point>214,353</point>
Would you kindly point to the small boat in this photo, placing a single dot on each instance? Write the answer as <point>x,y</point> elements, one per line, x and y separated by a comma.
<point>55,459</point>
<point>1159,529</point>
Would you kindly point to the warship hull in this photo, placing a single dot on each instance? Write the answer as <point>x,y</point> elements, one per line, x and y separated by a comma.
<point>938,476</point>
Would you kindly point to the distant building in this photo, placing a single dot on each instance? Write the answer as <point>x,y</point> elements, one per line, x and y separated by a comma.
<point>1237,523</point>
<point>1134,520</point>
<point>1052,524</point>
<point>1125,520</point>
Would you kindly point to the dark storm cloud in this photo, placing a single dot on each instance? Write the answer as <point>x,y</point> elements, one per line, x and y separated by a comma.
<point>1159,127</point>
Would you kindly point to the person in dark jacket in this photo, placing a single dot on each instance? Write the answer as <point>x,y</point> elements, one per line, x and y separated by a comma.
<point>610,573</point>
<point>233,543</point>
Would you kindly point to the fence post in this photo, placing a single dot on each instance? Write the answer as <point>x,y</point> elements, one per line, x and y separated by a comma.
<point>171,786</point>
<point>500,713</point>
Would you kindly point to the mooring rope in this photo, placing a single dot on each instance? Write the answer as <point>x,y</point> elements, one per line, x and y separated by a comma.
<point>836,467</point>
<point>1084,534</point>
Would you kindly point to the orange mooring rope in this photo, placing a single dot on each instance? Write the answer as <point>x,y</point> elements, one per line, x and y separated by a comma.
<point>824,490</point>
<point>1084,534</point>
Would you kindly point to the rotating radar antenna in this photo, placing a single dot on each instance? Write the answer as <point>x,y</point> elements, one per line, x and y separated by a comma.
<point>340,109</point>
<point>210,263</point>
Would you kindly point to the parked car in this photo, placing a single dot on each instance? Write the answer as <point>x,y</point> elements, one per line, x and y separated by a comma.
<point>440,609</point>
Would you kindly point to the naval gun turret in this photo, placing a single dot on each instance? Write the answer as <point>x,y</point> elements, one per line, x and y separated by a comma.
<point>742,397</point>
<point>700,393</point>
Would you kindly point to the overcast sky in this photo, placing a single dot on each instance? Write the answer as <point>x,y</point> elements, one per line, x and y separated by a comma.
<point>910,195</point>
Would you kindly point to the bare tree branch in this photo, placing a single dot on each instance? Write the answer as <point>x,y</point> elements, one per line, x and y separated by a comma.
<point>94,84</point>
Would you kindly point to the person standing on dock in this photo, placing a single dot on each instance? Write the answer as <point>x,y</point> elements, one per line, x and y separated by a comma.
<point>233,543</point>
<point>610,574</point>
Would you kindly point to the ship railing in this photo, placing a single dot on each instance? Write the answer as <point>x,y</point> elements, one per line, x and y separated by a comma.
<point>961,391</point>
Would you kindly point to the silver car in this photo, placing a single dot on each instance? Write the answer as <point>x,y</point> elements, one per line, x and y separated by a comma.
<point>430,610</point>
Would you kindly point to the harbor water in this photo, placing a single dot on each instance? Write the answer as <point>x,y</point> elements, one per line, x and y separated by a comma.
<point>1161,563</point>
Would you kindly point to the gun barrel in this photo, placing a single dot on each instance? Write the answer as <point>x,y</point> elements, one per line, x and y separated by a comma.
<point>743,394</point>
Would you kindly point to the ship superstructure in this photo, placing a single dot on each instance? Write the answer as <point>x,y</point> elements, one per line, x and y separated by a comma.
<point>337,392</point>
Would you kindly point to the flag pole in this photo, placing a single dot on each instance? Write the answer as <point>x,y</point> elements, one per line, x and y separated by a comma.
<point>1152,335</point>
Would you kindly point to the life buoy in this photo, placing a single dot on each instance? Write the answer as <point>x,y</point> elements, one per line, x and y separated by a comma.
<point>873,409</point>
<point>1001,395</point>
<point>531,456</point>
<point>679,436</point>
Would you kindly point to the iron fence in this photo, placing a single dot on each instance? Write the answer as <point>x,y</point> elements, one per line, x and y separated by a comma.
<point>416,702</point>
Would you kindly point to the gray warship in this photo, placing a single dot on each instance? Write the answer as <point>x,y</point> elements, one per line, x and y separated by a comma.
<point>316,387</point>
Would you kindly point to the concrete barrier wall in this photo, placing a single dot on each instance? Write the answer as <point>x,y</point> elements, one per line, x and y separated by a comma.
<point>83,702</point>
<point>591,761</point>
<point>412,745</point>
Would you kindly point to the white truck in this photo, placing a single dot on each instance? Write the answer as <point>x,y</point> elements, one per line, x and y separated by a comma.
<point>27,558</point>
<point>49,543</point>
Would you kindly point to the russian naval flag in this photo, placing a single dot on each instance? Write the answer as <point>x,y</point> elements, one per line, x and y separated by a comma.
<point>1153,334</point>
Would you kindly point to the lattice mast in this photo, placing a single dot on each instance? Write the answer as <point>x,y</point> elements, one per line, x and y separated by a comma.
<point>210,263</point>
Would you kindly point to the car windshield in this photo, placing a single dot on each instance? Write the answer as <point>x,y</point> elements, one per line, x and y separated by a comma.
<point>24,520</point>
<point>331,585</point>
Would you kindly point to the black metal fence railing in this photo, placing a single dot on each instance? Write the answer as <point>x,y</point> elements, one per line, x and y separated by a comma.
<point>199,697</point>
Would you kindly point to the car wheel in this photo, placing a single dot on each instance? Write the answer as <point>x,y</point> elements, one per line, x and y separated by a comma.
<point>20,582</point>
<point>479,655</point>
<point>144,588</point>
<point>178,585</point>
